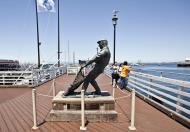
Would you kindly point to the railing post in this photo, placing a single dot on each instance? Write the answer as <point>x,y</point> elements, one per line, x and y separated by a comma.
<point>132,126</point>
<point>179,97</point>
<point>149,88</point>
<point>3,79</point>
<point>32,79</point>
<point>114,83</point>
<point>113,92</point>
<point>67,70</point>
<point>54,72</point>
<point>34,109</point>
<point>135,78</point>
<point>82,127</point>
<point>76,70</point>
<point>161,74</point>
<point>37,78</point>
<point>53,88</point>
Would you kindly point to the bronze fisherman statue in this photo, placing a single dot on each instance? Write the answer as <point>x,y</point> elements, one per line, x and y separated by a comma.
<point>101,60</point>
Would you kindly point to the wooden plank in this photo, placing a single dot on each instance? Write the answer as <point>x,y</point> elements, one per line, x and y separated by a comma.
<point>23,105</point>
<point>41,111</point>
<point>68,126</point>
<point>13,118</point>
<point>54,127</point>
<point>44,128</point>
<point>28,109</point>
<point>7,120</point>
<point>21,112</point>
<point>107,126</point>
<point>92,128</point>
<point>17,115</point>
<point>44,103</point>
<point>100,128</point>
<point>3,125</point>
<point>120,126</point>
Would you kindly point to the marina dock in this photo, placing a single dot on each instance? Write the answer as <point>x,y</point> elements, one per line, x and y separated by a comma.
<point>16,112</point>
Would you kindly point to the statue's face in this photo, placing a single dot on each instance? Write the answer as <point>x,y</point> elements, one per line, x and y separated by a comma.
<point>101,45</point>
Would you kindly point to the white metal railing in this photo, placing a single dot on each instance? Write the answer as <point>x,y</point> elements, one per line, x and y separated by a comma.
<point>155,86</point>
<point>166,91</point>
<point>29,78</point>
<point>16,78</point>
<point>42,76</point>
<point>72,70</point>
<point>170,94</point>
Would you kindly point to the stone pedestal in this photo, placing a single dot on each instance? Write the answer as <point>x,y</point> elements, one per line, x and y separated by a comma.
<point>97,108</point>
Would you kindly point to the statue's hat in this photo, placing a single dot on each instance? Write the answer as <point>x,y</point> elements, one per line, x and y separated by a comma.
<point>103,41</point>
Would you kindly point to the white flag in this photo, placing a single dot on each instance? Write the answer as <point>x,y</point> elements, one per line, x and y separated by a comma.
<point>45,6</point>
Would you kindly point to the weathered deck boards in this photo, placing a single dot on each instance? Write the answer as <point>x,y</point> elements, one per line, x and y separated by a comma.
<point>16,112</point>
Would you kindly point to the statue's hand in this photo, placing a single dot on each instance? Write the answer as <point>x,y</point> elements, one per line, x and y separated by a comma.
<point>82,67</point>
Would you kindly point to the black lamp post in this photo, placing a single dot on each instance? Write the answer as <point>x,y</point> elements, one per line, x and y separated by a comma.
<point>114,21</point>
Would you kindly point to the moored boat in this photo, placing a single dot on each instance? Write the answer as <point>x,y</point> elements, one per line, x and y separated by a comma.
<point>186,63</point>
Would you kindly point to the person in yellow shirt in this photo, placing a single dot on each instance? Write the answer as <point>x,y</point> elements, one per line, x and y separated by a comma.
<point>125,69</point>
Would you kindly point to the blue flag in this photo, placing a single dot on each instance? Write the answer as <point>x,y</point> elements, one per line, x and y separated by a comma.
<point>45,6</point>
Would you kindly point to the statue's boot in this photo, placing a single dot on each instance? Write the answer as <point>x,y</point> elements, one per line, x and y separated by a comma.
<point>68,92</point>
<point>98,92</point>
<point>72,88</point>
<point>96,87</point>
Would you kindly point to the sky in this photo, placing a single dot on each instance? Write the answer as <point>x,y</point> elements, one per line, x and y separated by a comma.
<point>146,31</point>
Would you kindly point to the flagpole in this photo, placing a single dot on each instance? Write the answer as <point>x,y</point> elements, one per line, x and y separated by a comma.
<point>58,52</point>
<point>38,43</point>
<point>68,53</point>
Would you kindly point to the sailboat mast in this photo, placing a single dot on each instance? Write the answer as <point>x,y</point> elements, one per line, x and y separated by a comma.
<point>68,53</point>
<point>73,58</point>
<point>38,43</point>
<point>58,52</point>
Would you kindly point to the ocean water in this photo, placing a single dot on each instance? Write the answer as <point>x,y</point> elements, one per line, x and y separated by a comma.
<point>166,70</point>
<point>169,71</point>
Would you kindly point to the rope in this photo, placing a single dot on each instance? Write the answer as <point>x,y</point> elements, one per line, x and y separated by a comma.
<point>47,92</point>
<point>50,89</point>
<point>122,110</point>
<point>44,95</point>
<point>121,90</point>
<point>123,97</point>
<point>60,84</point>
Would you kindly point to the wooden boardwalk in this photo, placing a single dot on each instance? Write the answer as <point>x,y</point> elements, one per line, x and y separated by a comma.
<point>16,112</point>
